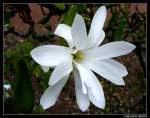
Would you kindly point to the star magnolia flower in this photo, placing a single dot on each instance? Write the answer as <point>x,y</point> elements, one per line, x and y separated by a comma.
<point>83,56</point>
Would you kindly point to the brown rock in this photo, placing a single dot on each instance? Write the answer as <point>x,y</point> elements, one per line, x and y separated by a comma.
<point>40,29</point>
<point>53,21</point>
<point>18,25</point>
<point>36,12</point>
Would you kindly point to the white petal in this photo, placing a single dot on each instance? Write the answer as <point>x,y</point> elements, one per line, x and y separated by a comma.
<point>84,90</point>
<point>82,99</point>
<point>64,31</point>
<point>98,39</point>
<point>50,96</point>
<point>110,50</point>
<point>60,71</point>
<point>50,55</point>
<point>96,35</point>
<point>98,103</point>
<point>106,70</point>
<point>96,94</point>
<point>116,66</point>
<point>45,68</point>
<point>85,75</point>
<point>79,33</point>
<point>95,91</point>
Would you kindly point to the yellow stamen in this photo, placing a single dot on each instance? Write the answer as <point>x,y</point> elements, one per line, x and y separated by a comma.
<point>78,56</point>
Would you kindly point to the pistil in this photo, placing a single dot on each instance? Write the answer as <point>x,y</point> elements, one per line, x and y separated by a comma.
<point>78,56</point>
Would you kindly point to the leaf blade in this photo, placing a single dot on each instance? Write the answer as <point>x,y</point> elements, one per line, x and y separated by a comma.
<point>23,91</point>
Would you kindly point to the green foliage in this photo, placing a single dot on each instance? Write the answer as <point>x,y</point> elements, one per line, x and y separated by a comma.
<point>6,17</point>
<point>69,16</point>
<point>44,80</point>
<point>23,91</point>
<point>38,109</point>
<point>61,6</point>
<point>6,82</point>
<point>81,8</point>
<point>37,71</point>
<point>119,33</point>
<point>9,58</point>
<point>24,48</point>
<point>112,20</point>
<point>62,42</point>
<point>9,53</point>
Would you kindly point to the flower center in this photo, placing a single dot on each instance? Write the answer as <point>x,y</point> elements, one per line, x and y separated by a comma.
<point>78,56</point>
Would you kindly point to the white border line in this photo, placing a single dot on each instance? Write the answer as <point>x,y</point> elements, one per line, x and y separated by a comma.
<point>125,115</point>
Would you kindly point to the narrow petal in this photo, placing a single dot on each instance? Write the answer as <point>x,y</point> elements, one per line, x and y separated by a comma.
<point>116,66</point>
<point>82,99</point>
<point>84,90</point>
<point>107,70</point>
<point>60,71</point>
<point>96,34</point>
<point>45,68</point>
<point>91,81</point>
<point>98,39</point>
<point>79,33</point>
<point>110,50</point>
<point>97,95</point>
<point>98,103</point>
<point>50,55</point>
<point>64,31</point>
<point>85,75</point>
<point>50,96</point>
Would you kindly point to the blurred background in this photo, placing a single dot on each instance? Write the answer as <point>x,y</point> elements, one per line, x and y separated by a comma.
<point>27,26</point>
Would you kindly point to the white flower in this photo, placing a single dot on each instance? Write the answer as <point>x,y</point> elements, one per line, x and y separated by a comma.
<point>7,86</point>
<point>83,56</point>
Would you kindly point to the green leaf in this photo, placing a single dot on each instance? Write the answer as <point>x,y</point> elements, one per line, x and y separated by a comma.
<point>37,71</point>
<point>61,6</point>
<point>70,15</point>
<point>23,91</point>
<point>81,7</point>
<point>9,53</point>
<point>38,109</point>
<point>24,48</point>
<point>62,42</point>
<point>7,17</point>
<point>118,34</point>
<point>44,80</point>
<point>112,20</point>
<point>9,58</point>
